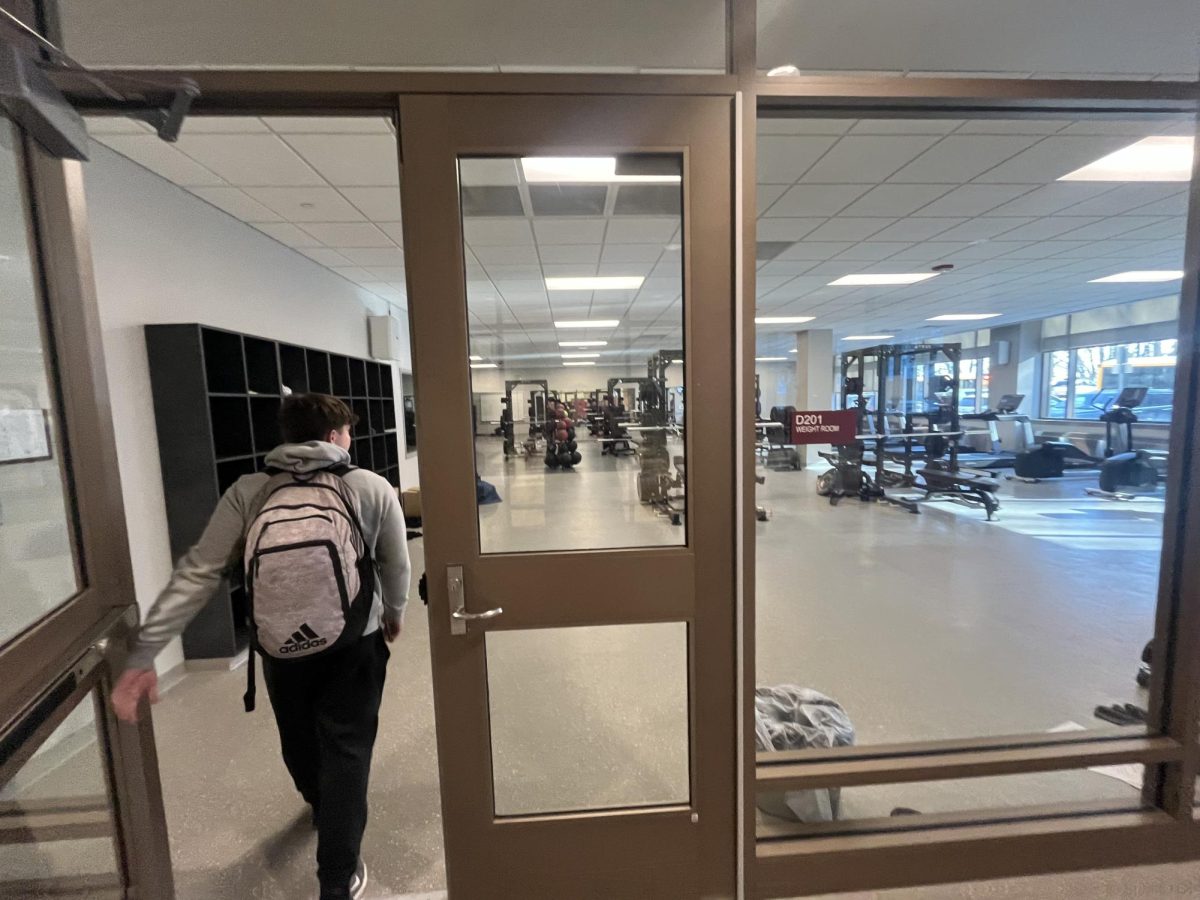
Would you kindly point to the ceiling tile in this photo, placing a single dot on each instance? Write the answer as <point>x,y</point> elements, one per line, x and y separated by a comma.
<point>814,251</point>
<point>201,124</point>
<point>1166,227</point>
<point>237,203</point>
<point>616,253</point>
<point>974,199</point>
<point>983,228</point>
<point>783,159</point>
<point>497,232</point>
<point>905,126</point>
<point>394,230</point>
<point>97,125</point>
<point>648,200</point>
<point>374,256</point>
<point>351,159</point>
<point>816,200</point>
<point>491,200</point>
<point>1052,158</point>
<point>959,158</point>
<point>519,254</point>
<point>568,231</point>
<point>1011,126</point>
<point>479,172</point>
<point>1116,226</point>
<point>324,256</point>
<point>796,125</point>
<point>768,194</point>
<point>567,199</point>
<point>250,160</point>
<point>787,229</point>
<point>626,268</point>
<point>379,204</point>
<point>348,234</point>
<point>639,230</point>
<point>916,229</point>
<point>162,159</point>
<point>388,273</point>
<point>848,228</point>
<point>307,204</point>
<point>355,274</point>
<point>895,199</point>
<point>786,266</point>
<point>1047,228</point>
<point>867,158</point>
<point>502,272</point>
<point>1052,198</point>
<point>872,251</point>
<point>328,124</point>
<point>574,253</point>
<point>287,233</point>
<point>569,270</point>
<point>1126,198</point>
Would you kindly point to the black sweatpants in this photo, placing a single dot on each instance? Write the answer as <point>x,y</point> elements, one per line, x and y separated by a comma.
<point>327,710</point>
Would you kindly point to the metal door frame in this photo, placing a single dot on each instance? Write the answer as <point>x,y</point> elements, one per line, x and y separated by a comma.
<point>555,855</point>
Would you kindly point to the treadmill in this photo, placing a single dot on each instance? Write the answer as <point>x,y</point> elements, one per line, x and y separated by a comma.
<point>998,456</point>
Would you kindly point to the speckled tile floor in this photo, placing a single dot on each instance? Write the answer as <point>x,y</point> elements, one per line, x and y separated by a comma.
<point>930,626</point>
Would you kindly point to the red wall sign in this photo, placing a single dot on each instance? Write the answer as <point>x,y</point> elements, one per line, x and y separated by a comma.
<point>831,426</point>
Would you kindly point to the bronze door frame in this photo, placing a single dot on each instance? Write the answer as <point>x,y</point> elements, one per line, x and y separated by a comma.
<point>99,616</point>
<point>617,852</point>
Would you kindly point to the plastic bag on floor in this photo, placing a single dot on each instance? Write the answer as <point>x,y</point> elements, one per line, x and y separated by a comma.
<point>787,717</point>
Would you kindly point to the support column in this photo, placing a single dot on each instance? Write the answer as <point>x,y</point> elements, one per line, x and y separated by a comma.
<point>1020,373</point>
<point>814,378</point>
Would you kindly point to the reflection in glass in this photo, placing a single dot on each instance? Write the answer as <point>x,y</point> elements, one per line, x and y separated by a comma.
<point>575,301</point>
<point>878,583</point>
<point>37,566</point>
<point>64,779</point>
<point>588,718</point>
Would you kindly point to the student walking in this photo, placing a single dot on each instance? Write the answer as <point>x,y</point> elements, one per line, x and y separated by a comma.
<point>322,548</point>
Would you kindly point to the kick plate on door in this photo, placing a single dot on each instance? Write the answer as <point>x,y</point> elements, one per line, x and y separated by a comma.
<point>459,617</point>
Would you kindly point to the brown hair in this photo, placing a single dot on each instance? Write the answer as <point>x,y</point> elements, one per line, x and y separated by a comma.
<point>310,417</point>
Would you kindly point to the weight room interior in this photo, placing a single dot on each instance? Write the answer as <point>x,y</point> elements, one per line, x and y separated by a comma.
<point>939,624</point>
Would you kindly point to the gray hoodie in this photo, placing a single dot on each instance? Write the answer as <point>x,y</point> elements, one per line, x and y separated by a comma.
<point>197,575</point>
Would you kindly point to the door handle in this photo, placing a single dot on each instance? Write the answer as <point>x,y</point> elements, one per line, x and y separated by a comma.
<point>459,617</point>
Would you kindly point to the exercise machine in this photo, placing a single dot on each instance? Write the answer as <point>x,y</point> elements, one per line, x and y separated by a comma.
<point>906,398</point>
<point>1054,459</point>
<point>530,446</point>
<point>997,455</point>
<point>1124,474</point>
<point>657,485</point>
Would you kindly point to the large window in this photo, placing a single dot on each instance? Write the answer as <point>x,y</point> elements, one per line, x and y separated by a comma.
<point>1083,383</point>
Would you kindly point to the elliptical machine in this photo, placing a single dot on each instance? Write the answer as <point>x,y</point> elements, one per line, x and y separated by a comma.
<point>1132,468</point>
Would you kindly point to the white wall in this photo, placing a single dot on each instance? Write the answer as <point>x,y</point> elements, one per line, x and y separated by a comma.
<point>161,255</point>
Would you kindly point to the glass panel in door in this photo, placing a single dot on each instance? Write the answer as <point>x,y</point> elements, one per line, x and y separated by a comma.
<point>37,557</point>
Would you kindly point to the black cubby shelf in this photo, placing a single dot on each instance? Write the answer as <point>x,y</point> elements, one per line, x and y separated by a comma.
<point>216,402</point>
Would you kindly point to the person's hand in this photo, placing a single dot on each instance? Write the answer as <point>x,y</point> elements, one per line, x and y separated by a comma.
<point>131,687</point>
<point>392,624</point>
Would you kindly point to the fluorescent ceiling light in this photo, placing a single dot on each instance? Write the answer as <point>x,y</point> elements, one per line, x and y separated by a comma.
<point>584,170</point>
<point>899,278</point>
<point>677,362</point>
<point>770,359</point>
<point>782,320</point>
<point>1139,277</point>
<point>483,365</point>
<point>868,337</point>
<point>583,343</point>
<point>596,283</point>
<point>579,364</point>
<point>475,358</point>
<point>1150,159</point>
<point>580,355</point>
<point>963,317</point>
<point>782,70</point>
<point>588,323</point>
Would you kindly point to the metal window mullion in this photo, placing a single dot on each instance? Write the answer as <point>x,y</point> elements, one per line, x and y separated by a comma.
<point>977,764</point>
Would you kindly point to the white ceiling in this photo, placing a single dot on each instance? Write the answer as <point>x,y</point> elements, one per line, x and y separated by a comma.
<point>836,196</point>
<point>846,196</point>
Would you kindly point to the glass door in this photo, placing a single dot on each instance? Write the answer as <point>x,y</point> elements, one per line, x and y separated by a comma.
<point>80,811</point>
<point>572,258</point>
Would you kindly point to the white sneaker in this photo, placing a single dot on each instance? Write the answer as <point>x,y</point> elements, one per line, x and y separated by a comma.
<point>358,884</point>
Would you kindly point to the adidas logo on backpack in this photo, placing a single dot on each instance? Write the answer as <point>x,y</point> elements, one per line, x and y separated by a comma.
<point>304,638</point>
